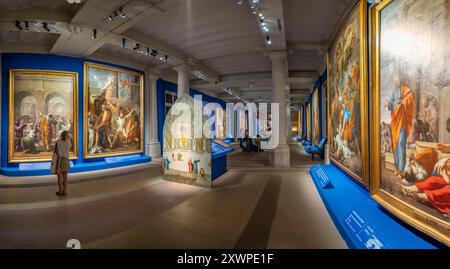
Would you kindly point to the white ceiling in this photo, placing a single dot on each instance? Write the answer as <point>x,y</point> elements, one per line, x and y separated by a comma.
<point>221,36</point>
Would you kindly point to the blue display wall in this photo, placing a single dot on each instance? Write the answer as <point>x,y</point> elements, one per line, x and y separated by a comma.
<point>58,63</point>
<point>163,86</point>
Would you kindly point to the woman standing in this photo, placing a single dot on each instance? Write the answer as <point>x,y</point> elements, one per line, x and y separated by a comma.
<point>62,149</point>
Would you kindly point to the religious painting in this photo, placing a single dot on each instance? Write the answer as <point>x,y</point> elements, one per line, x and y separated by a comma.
<point>42,104</point>
<point>113,115</point>
<point>347,95</point>
<point>410,112</point>
<point>315,118</point>
<point>190,163</point>
<point>308,122</point>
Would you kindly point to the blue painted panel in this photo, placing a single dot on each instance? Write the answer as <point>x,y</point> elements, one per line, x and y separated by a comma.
<point>376,222</point>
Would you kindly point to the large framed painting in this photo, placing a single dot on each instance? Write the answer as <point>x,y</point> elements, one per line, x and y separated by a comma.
<point>113,111</point>
<point>410,117</point>
<point>315,118</point>
<point>42,104</point>
<point>347,95</point>
<point>308,121</point>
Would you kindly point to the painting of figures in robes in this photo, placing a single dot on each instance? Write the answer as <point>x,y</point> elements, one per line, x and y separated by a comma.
<point>113,111</point>
<point>42,105</point>
<point>413,124</point>
<point>315,117</point>
<point>347,89</point>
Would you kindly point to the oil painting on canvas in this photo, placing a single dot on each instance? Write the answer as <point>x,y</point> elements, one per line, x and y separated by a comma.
<point>414,115</point>
<point>315,117</point>
<point>346,92</point>
<point>42,105</point>
<point>113,111</point>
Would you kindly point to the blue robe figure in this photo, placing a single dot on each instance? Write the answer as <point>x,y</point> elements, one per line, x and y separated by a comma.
<point>196,167</point>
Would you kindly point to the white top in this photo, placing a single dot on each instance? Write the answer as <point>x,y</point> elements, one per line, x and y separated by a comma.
<point>63,148</point>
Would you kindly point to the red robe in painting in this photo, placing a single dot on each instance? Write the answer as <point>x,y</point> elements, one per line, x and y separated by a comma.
<point>437,191</point>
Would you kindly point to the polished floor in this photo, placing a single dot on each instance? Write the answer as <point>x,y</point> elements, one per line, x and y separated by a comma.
<point>251,206</point>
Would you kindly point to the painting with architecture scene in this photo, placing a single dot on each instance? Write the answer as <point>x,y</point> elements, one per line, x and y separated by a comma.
<point>347,95</point>
<point>42,105</point>
<point>413,124</point>
<point>113,115</point>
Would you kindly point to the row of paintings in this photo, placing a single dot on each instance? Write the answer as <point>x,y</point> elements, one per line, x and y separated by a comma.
<point>409,145</point>
<point>44,103</point>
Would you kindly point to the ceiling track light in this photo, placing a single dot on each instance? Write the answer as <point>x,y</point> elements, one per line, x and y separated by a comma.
<point>136,46</point>
<point>45,26</point>
<point>123,42</point>
<point>18,25</point>
<point>117,13</point>
<point>268,40</point>
<point>94,34</point>
<point>26,26</point>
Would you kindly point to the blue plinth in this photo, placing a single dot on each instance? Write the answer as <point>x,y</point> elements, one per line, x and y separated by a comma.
<point>43,168</point>
<point>362,223</point>
<point>219,160</point>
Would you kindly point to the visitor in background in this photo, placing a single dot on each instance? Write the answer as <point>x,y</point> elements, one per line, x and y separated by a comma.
<point>62,149</point>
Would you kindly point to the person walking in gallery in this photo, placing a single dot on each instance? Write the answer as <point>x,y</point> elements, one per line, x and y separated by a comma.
<point>401,105</point>
<point>62,149</point>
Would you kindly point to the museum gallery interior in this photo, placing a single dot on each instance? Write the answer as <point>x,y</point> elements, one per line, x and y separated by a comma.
<point>225,124</point>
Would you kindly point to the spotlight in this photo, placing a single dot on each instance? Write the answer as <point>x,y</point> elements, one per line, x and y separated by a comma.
<point>148,51</point>
<point>94,34</point>
<point>240,2</point>
<point>165,58</point>
<point>154,53</point>
<point>269,42</point>
<point>17,23</point>
<point>45,26</point>
<point>123,42</point>
<point>121,13</point>
<point>136,46</point>
<point>265,29</point>
<point>26,26</point>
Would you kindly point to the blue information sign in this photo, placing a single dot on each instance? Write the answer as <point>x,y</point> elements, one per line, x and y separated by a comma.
<point>364,233</point>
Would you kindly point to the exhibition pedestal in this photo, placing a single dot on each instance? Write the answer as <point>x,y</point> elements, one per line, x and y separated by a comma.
<point>43,168</point>
<point>362,223</point>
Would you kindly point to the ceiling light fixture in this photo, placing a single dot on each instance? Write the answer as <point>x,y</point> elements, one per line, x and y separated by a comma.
<point>94,33</point>
<point>45,26</point>
<point>17,23</point>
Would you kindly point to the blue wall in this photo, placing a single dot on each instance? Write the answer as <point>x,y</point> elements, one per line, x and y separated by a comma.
<point>162,87</point>
<point>44,62</point>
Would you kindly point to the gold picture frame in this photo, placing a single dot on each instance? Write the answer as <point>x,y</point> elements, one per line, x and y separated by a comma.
<point>363,76</point>
<point>88,155</point>
<point>417,218</point>
<point>11,114</point>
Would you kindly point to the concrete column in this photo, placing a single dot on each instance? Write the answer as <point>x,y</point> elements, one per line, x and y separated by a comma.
<point>152,145</point>
<point>280,157</point>
<point>183,79</point>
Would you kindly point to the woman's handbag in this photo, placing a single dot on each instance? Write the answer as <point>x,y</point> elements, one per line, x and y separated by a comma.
<point>55,159</point>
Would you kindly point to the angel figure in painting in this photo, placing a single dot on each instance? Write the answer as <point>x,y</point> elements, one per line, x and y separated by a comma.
<point>401,106</point>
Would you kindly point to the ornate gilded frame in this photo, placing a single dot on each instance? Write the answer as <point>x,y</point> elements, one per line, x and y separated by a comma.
<point>11,115</point>
<point>425,222</point>
<point>364,178</point>
<point>86,155</point>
